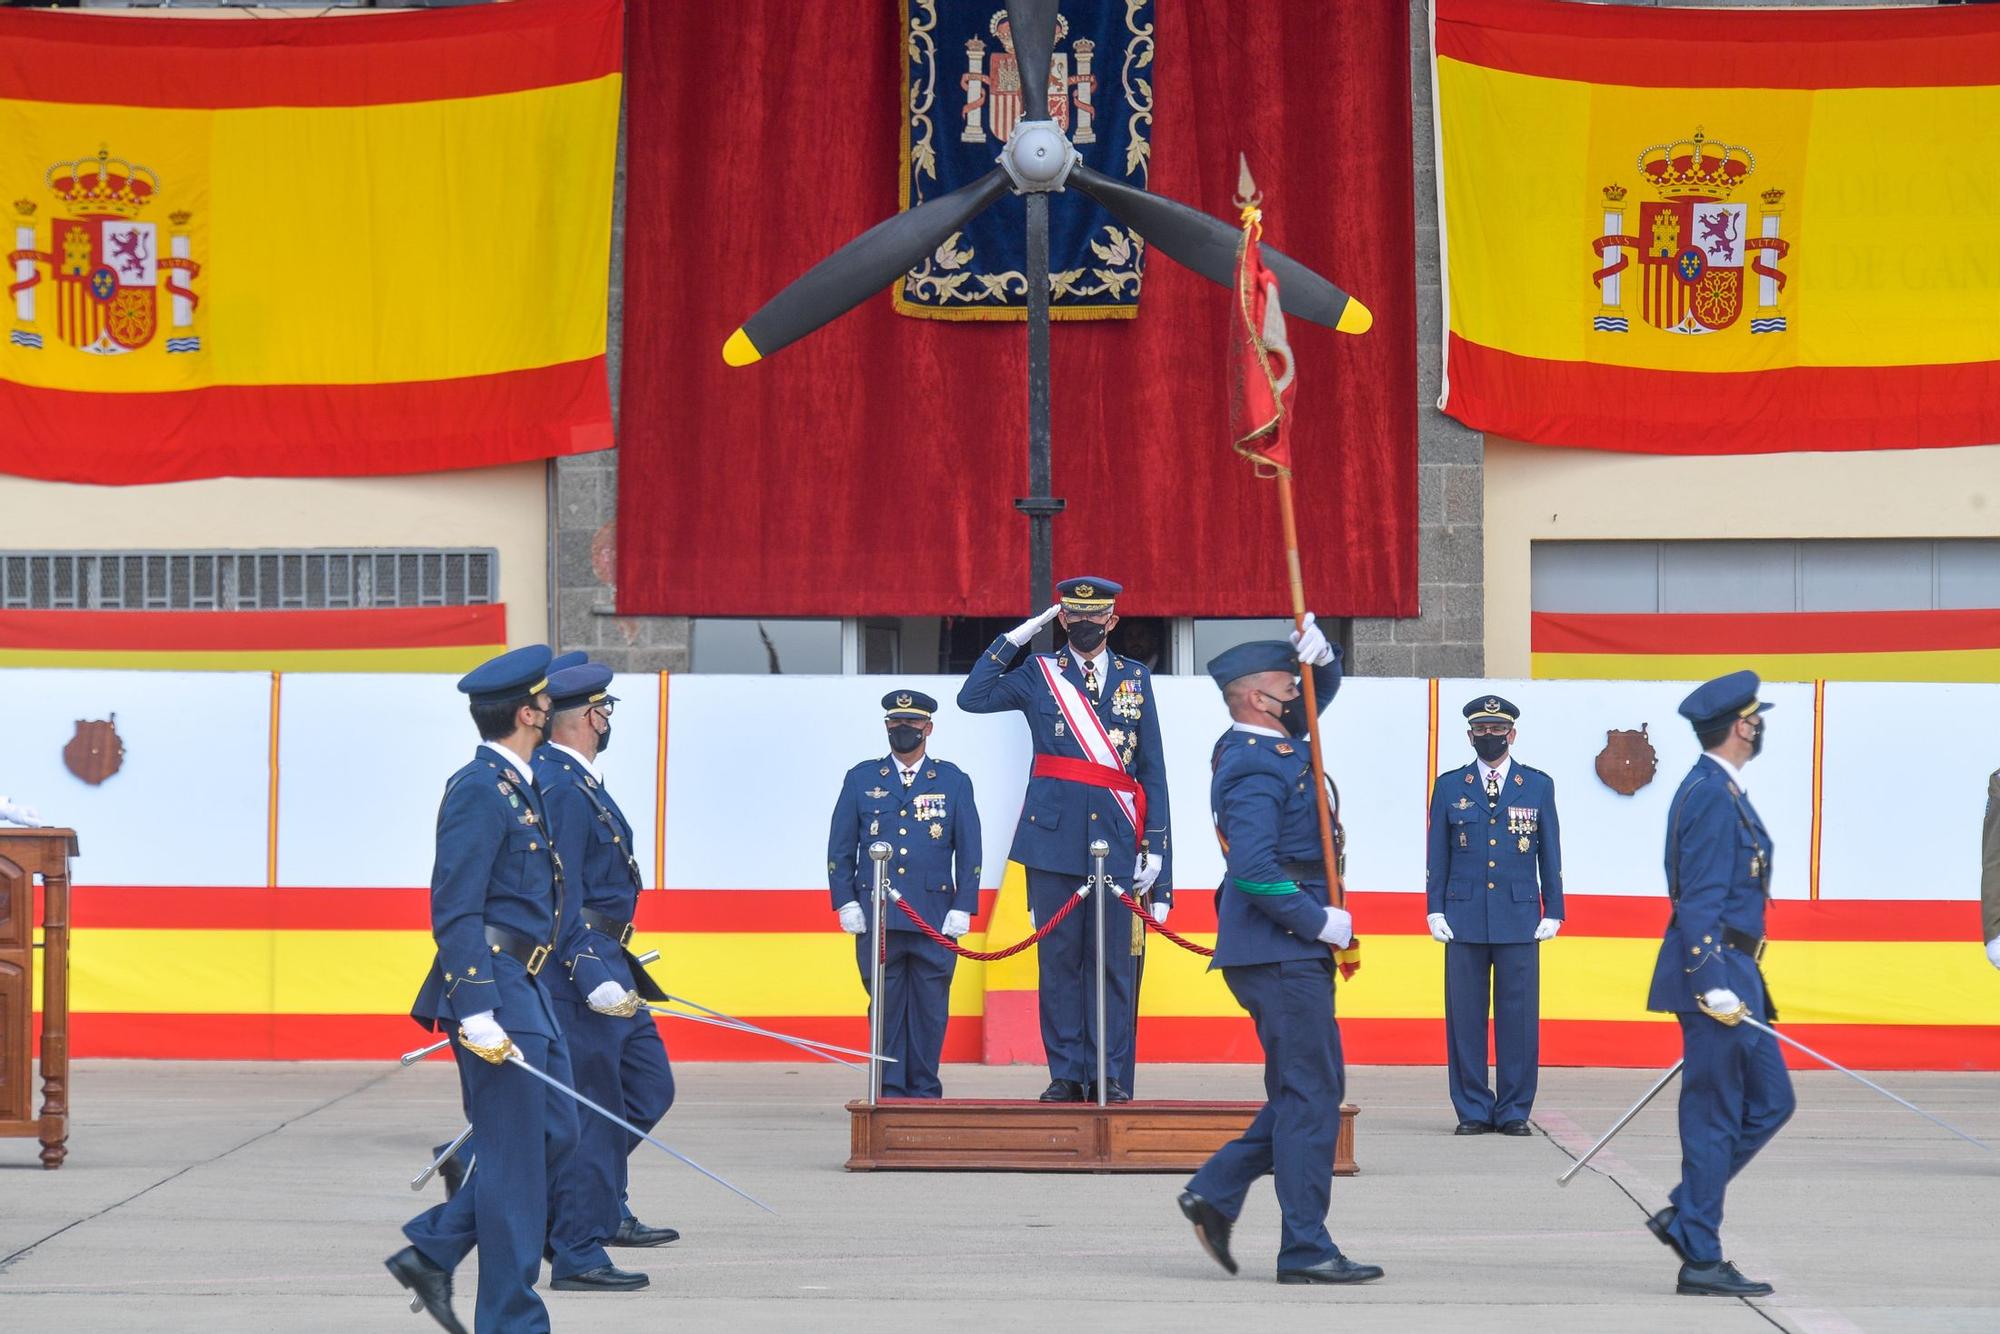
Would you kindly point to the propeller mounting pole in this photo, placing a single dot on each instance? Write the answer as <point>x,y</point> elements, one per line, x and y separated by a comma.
<point>1040,507</point>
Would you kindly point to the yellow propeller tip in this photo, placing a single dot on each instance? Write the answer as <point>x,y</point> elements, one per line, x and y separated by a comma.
<point>740,351</point>
<point>1354,318</point>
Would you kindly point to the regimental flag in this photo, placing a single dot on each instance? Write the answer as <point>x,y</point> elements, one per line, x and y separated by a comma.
<point>305,247</point>
<point>1778,646</point>
<point>1261,409</point>
<point>962,98</point>
<point>1723,232</point>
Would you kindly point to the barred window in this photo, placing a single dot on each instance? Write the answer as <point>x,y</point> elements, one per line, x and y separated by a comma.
<point>319,579</point>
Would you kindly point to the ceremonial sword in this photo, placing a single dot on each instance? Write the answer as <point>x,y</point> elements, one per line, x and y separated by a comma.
<point>422,1179</point>
<point>412,1057</point>
<point>1622,1121</point>
<point>808,1048</point>
<point>1866,1082</point>
<point>745,1023</point>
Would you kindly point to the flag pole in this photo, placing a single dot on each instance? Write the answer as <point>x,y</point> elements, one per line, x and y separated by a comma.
<point>1335,889</point>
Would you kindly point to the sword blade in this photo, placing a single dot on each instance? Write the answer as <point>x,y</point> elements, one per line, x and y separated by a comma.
<point>783,1037</point>
<point>515,1058</point>
<point>755,1032</point>
<point>412,1057</point>
<point>1863,1080</point>
<point>422,1179</point>
<point>1622,1121</point>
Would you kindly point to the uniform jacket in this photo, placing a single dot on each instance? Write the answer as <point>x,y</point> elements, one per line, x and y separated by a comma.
<point>595,841</point>
<point>1261,794</point>
<point>1059,818</point>
<point>1718,875</point>
<point>495,867</point>
<point>932,825</point>
<point>1494,866</point>
<point>1989,862</point>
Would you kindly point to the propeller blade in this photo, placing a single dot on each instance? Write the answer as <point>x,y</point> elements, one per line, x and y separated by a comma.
<point>1208,246</point>
<point>1034,29</point>
<point>859,269</point>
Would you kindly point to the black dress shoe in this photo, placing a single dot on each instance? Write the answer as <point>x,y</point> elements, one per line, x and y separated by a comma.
<point>1515,1128</point>
<point>1718,1279</point>
<point>429,1284</point>
<point>1063,1090</point>
<point>1473,1128</point>
<point>1660,1225</point>
<point>452,1173</point>
<point>1114,1092</point>
<point>1211,1228</point>
<point>604,1278</point>
<point>1339,1269</point>
<point>631,1232</point>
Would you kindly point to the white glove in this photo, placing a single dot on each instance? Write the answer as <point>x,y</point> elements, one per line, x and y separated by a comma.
<point>1993,951</point>
<point>21,815</point>
<point>957,923</point>
<point>1025,631</point>
<point>1440,929</point>
<point>1159,914</point>
<point>1546,929</point>
<point>1724,1006</point>
<point>482,1035</point>
<point>852,920</point>
<point>1310,644</point>
<point>610,998</point>
<point>1339,928</point>
<point>1144,872</point>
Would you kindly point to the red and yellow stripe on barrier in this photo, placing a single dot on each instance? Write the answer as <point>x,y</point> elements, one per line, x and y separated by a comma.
<point>387,639</point>
<point>1778,646</point>
<point>254,973</point>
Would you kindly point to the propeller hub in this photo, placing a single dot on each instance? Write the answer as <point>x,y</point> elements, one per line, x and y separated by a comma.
<point>1038,156</point>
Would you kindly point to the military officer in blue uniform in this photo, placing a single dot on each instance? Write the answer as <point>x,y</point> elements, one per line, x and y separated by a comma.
<point>1493,885</point>
<point>1094,722</point>
<point>1275,937</point>
<point>496,912</point>
<point>1735,1093</point>
<point>922,807</point>
<point>614,1045</point>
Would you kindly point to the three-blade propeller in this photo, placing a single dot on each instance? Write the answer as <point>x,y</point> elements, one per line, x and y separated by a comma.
<point>1038,157</point>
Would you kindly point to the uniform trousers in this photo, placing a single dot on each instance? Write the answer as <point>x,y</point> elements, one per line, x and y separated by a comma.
<point>1294,1135</point>
<point>916,1003</point>
<point>526,1132</point>
<point>1510,976</point>
<point>621,1064</point>
<point>1735,1094</point>
<point>1067,962</point>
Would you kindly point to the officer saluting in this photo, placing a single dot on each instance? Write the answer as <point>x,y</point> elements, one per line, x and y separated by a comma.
<point>1098,772</point>
<point>1275,933</point>
<point>614,1046</point>
<point>1492,830</point>
<point>922,807</point>
<point>1735,1093</point>
<point>496,911</point>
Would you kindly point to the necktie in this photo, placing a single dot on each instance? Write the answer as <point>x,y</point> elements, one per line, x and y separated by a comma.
<point>1492,784</point>
<point>1090,678</point>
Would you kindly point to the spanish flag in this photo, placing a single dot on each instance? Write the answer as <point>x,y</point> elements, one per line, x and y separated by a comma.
<point>1716,231</point>
<point>1958,645</point>
<point>305,247</point>
<point>376,639</point>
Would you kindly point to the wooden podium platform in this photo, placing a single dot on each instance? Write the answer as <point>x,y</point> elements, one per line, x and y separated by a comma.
<point>946,1135</point>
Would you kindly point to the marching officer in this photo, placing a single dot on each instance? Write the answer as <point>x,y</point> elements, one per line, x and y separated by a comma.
<point>496,912</point>
<point>1493,885</point>
<point>922,807</point>
<point>1735,1093</point>
<point>1275,933</point>
<point>1099,772</point>
<point>614,1045</point>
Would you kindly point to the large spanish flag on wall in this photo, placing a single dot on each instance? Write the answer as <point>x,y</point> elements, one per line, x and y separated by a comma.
<point>376,639</point>
<point>305,247</point>
<point>1778,646</point>
<point>1717,231</point>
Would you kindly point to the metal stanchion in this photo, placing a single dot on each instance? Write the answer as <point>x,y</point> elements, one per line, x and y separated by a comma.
<point>879,854</point>
<point>1101,891</point>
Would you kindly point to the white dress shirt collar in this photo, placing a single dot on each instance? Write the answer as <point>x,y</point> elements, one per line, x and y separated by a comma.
<point>1735,774</point>
<point>525,768</point>
<point>1255,730</point>
<point>1485,772</point>
<point>588,766</point>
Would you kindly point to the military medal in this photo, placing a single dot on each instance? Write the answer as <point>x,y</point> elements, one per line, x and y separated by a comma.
<point>937,831</point>
<point>874,827</point>
<point>876,793</point>
<point>1523,844</point>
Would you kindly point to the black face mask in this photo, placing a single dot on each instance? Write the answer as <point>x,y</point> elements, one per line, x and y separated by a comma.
<point>1489,748</point>
<point>1085,636</point>
<point>544,729</point>
<point>1292,715</point>
<point>904,738</point>
<point>1757,741</point>
<point>604,738</point>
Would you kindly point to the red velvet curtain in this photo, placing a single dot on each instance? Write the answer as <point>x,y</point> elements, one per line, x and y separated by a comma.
<point>871,467</point>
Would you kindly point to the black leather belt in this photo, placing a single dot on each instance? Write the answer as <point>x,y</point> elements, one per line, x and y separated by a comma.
<point>532,954</point>
<point>1743,941</point>
<point>1312,870</point>
<point>606,925</point>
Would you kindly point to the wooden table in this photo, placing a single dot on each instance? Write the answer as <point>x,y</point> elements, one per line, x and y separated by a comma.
<point>24,855</point>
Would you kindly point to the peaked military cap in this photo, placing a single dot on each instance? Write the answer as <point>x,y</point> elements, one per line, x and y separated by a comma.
<point>1259,655</point>
<point>908,704</point>
<point>1724,698</point>
<point>561,661</point>
<point>1491,709</point>
<point>1088,594</point>
<point>517,672</point>
<point>580,686</point>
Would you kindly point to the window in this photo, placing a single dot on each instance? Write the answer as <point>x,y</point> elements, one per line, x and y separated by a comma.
<point>303,580</point>
<point>1885,574</point>
<point>766,646</point>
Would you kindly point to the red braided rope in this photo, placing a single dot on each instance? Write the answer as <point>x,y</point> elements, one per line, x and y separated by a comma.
<point>986,956</point>
<point>1158,929</point>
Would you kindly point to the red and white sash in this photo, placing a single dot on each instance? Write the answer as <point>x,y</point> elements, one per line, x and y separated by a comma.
<point>1102,767</point>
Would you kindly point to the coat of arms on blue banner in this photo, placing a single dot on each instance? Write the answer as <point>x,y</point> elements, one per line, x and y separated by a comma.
<point>962,97</point>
